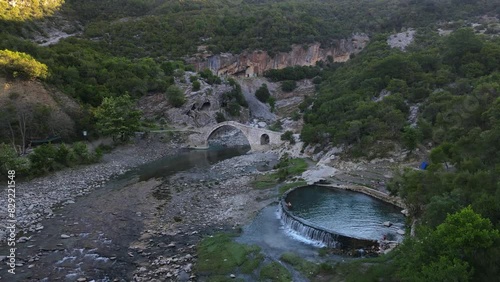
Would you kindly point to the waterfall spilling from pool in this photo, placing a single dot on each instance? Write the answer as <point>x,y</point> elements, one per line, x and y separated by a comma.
<point>338,218</point>
<point>315,234</point>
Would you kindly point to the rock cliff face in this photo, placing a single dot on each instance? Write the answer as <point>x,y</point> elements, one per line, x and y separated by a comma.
<point>255,63</point>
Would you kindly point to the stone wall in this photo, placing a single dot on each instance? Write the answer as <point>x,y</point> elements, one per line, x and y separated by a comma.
<point>370,192</point>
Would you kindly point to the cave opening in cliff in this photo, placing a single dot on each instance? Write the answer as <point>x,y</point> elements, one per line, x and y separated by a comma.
<point>264,139</point>
<point>205,106</point>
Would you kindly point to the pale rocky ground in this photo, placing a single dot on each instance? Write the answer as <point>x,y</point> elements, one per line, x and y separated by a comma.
<point>331,167</point>
<point>257,109</point>
<point>401,40</point>
<point>198,201</point>
<point>52,29</point>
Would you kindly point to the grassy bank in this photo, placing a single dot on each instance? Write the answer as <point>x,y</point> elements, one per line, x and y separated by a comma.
<point>287,168</point>
<point>220,258</point>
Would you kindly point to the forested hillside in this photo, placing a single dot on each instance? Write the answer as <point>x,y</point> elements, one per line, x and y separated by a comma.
<point>176,28</point>
<point>22,10</point>
<point>440,95</point>
<point>454,83</point>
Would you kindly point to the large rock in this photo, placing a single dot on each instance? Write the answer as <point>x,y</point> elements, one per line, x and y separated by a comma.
<point>318,174</point>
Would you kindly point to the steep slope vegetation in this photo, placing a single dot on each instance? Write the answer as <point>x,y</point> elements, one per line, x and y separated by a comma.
<point>177,28</point>
<point>22,10</point>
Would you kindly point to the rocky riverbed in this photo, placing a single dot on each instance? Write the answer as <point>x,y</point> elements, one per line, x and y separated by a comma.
<point>141,226</point>
<point>199,202</point>
<point>36,199</point>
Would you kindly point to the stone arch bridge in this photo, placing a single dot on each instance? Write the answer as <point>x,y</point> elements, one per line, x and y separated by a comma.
<point>259,139</point>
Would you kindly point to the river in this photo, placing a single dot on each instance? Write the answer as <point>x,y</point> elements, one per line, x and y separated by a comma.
<point>103,225</point>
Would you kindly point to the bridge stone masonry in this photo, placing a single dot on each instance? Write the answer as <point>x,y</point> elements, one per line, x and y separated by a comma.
<point>259,139</point>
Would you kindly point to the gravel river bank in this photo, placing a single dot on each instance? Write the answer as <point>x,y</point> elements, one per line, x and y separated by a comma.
<point>36,199</point>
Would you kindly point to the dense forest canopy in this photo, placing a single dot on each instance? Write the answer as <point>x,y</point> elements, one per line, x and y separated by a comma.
<point>176,28</point>
<point>154,28</point>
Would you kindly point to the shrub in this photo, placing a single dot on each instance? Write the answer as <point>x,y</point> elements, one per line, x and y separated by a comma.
<point>175,96</point>
<point>234,95</point>
<point>9,160</point>
<point>82,153</point>
<point>179,73</point>
<point>288,85</point>
<point>105,148</point>
<point>296,116</point>
<point>290,167</point>
<point>219,117</point>
<point>263,93</point>
<point>43,159</point>
<point>275,272</point>
<point>233,108</point>
<point>209,77</point>
<point>317,80</point>
<point>277,126</point>
<point>64,155</point>
<point>288,136</point>
<point>196,85</point>
<point>272,103</point>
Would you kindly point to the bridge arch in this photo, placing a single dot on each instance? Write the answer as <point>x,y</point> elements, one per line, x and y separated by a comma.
<point>258,138</point>
<point>221,125</point>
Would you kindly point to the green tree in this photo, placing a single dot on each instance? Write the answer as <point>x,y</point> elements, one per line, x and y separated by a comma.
<point>288,136</point>
<point>460,43</point>
<point>196,85</point>
<point>116,117</point>
<point>411,136</point>
<point>288,85</point>
<point>444,153</point>
<point>445,270</point>
<point>21,64</point>
<point>465,247</point>
<point>175,96</point>
<point>9,160</point>
<point>263,93</point>
<point>43,159</point>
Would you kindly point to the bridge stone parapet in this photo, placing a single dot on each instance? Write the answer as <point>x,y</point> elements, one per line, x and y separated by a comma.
<point>259,139</point>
